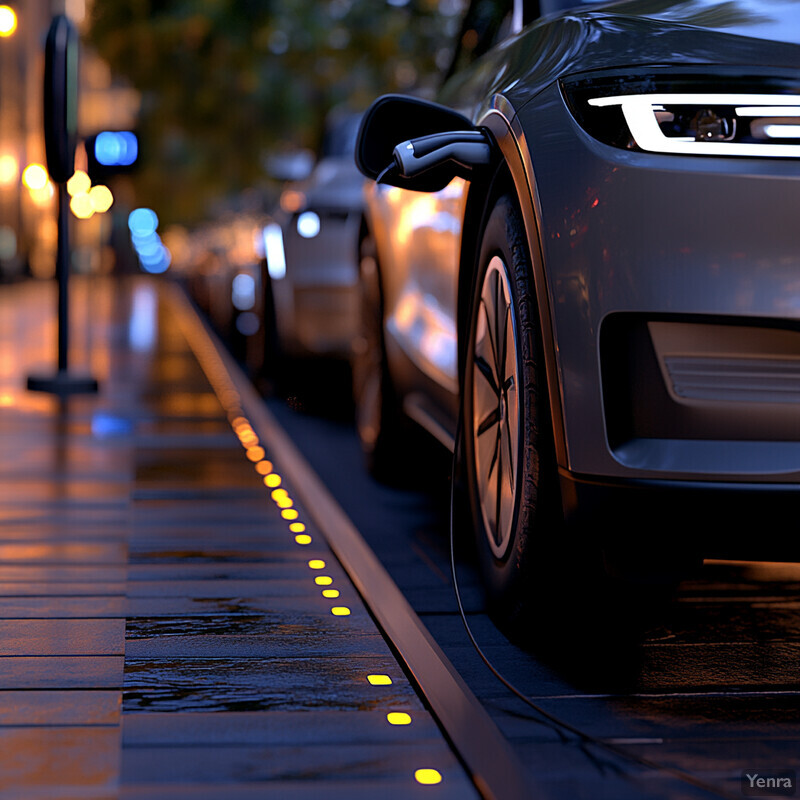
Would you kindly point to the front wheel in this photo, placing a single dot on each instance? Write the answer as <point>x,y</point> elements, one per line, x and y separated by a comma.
<point>508,457</point>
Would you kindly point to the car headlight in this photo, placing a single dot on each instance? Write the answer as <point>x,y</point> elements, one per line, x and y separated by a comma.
<point>686,113</point>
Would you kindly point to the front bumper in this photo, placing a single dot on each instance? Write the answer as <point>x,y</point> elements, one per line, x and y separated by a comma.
<point>633,241</point>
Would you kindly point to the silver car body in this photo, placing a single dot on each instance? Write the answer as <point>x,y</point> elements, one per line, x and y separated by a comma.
<point>668,284</point>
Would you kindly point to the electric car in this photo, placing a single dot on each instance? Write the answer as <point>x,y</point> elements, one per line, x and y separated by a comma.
<point>580,271</point>
<point>311,246</point>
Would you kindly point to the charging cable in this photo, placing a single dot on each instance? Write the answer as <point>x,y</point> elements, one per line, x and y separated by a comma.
<point>558,725</point>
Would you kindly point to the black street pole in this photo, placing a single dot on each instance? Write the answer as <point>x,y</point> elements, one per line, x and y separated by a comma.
<point>60,134</point>
<point>62,274</point>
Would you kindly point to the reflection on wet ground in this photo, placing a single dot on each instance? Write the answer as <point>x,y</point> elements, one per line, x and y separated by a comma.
<point>247,682</point>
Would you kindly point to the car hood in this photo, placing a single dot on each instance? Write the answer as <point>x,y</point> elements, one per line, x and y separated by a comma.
<point>744,33</point>
<point>771,20</point>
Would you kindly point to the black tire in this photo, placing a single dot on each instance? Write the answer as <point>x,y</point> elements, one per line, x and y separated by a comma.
<point>518,524</point>
<point>538,573</point>
<point>380,424</point>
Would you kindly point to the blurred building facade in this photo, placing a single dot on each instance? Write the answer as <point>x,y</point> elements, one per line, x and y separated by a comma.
<point>28,230</point>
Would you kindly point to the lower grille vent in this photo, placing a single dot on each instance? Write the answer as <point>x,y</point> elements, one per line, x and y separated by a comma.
<point>735,380</point>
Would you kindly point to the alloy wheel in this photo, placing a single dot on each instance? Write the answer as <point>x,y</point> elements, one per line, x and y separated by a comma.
<point>495,403</point>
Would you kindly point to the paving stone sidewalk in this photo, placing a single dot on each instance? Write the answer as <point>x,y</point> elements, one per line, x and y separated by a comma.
<point>171,625</point>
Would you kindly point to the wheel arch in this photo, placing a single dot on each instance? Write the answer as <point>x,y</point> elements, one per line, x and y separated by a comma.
<point>513,172</point>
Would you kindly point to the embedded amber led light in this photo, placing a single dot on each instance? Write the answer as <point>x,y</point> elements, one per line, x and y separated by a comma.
<point>264,467</point>
<point>379,680</point>
<point>272,480</point>
<point>281,497</point>
<point>428,777</point>
<point>290,513</point>
<point>330,592</point>
<point>303,538</point>
<point>316,563</point>
<point>323,580</point>
<point>297,527</point>
<point>340,611</point>
<point>255,453</point>
<point>398,718</point>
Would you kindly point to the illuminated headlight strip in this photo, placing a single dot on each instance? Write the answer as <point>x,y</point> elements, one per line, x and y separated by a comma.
<point>776,131</point>
<point>639,112</point>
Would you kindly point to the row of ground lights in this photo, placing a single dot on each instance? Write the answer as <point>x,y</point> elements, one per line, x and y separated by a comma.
<point>231,402</point>
<point>272,480</point>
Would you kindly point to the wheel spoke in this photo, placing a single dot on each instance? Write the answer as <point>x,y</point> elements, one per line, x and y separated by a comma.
<point>506,495</point>
<point>486,370</point>
<point>489,303</point>
<point>485,353</point>
<point>499,531</point>
<point>488,459</point>
<point>489,421</point>
<point>495,459</point>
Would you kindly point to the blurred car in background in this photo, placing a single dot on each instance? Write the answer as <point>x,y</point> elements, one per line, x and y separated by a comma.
<point>582,273</point>
<point>221,265</point>
<point>311,251</point>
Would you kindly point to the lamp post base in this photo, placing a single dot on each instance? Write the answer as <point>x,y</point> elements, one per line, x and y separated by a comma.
<point>63,384</point>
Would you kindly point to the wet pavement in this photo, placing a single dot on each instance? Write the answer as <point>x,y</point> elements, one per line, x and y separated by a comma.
<point>172,624</point>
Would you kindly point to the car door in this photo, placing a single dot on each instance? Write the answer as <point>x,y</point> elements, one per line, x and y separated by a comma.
<point>419,241</point>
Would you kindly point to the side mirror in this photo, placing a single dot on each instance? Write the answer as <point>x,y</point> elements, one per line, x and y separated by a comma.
<point>419,145</point>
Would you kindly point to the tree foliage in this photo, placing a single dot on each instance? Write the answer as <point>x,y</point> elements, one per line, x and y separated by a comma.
<point>224,82</point>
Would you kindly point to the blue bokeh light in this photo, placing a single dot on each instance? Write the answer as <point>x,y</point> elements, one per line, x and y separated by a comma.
<point>154,257</point>
<point>142,221</point>
<point>116,148</point>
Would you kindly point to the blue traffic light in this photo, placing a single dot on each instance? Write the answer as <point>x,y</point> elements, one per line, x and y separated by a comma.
<point>116,148</point>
